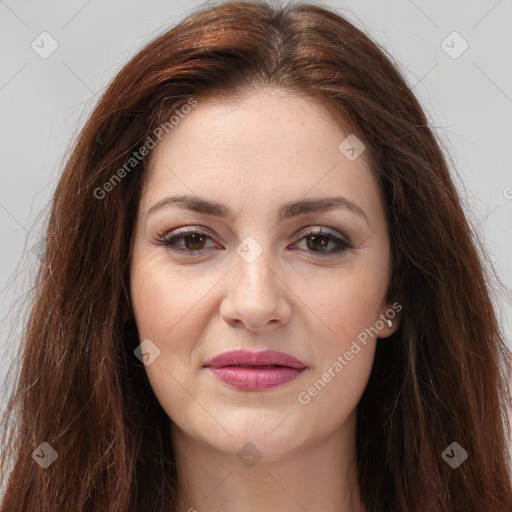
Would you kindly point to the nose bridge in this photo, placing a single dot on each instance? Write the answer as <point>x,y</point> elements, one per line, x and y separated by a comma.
<point>253,266</point>
<point>255,295</point>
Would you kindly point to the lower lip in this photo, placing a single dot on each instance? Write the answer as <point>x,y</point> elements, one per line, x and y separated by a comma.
<point>255,379</point>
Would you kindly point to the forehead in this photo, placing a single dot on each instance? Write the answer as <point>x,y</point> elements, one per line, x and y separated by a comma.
<point>270,121</point>
<point>270,144</point>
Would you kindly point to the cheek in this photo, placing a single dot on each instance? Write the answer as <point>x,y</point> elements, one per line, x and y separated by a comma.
<point>169,311</point>
<point>332,393</point>
<point>163,301</point>
<point>160,309</point>
<point>345,352</point>
<point>347,307</point>
<point>345,304</point>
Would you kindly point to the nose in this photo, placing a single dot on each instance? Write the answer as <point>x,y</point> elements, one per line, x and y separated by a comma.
<point>257,296</point>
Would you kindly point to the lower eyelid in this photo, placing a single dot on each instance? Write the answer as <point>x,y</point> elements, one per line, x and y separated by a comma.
<point>338,242</point>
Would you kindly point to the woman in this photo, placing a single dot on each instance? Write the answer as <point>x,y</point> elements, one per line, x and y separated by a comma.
<point>260,291</point>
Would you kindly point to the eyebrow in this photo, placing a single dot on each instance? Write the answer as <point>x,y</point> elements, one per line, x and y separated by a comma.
<point>287,210</point>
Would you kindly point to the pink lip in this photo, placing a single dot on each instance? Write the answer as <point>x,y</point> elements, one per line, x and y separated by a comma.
<point>255,371</point>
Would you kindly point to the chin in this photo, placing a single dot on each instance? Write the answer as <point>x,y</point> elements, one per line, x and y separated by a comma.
<point>262,438</point>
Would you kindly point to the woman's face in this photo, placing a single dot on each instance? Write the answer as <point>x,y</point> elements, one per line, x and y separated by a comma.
<point>258,276</point>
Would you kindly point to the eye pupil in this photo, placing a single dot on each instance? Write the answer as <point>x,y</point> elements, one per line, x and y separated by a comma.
<point>196,238</point>
<point>192,243</point>
<point>315,239</point>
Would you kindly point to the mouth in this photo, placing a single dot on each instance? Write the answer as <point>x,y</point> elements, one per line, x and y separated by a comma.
<point>248,359</point>
<point>265,367</point>
<point>255,371</point>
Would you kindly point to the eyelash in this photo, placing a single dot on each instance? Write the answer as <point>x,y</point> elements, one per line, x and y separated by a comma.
<point>169,242</point>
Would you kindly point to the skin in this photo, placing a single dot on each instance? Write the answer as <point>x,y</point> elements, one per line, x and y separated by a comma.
<point>253,155</point>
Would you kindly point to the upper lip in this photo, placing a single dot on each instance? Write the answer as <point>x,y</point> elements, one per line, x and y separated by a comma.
<point>247,358</point>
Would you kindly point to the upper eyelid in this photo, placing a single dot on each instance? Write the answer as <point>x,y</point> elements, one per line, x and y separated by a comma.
<point>338,238</point>
<point>181,232</point>
<point>206,231</point>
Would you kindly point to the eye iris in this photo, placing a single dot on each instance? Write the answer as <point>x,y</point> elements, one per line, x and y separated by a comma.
<point>314,239</point>
<point>196,238</point>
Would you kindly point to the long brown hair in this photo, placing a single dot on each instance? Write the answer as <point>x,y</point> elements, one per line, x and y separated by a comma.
<point>442,377</point>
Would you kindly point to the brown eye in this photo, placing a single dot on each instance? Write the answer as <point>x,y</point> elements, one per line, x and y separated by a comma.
<point>193,243</point>
<point>196,241</point>
<point>187,242</point>
<point>317,242</point>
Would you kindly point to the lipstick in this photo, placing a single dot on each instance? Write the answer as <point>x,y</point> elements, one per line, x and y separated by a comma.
<point>255,371</point>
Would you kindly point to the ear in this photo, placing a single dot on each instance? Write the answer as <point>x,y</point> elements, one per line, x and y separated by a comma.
<point>390,314</point>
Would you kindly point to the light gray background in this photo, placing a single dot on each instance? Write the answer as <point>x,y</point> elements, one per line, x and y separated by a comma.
<point>44,103</point>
